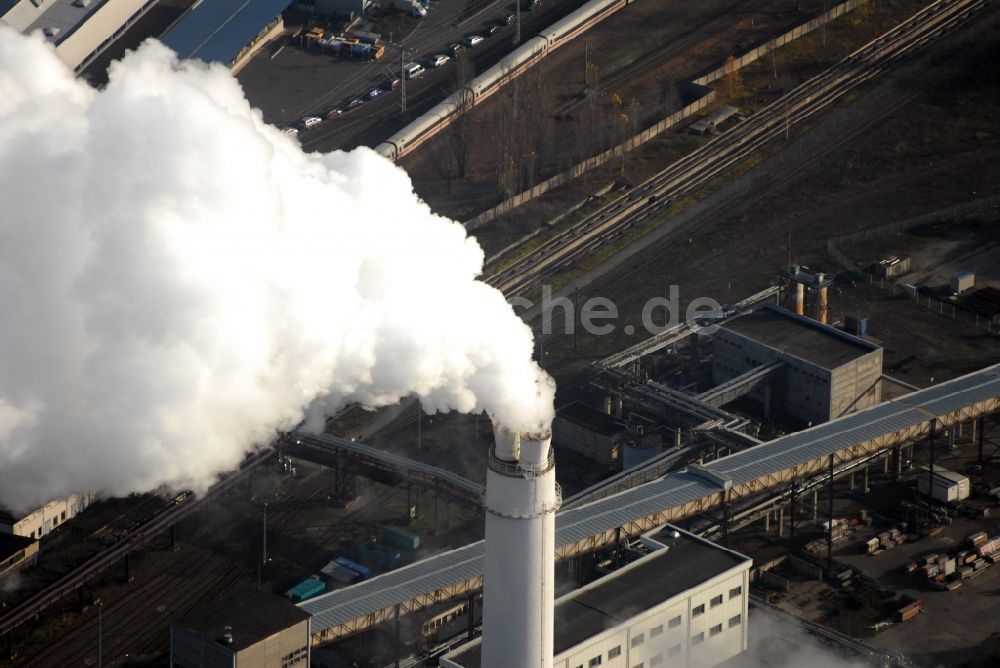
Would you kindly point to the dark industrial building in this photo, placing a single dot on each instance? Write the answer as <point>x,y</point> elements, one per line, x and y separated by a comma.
<point>823,372</point>
<point>249,629</point>
<point>589,432</point>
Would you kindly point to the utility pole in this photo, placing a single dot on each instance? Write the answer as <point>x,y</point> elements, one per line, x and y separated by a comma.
<point>586,63</point>
<point>517,23</point>
<point>402,79</point>
<point>100,634</point>
<point>263,553</point>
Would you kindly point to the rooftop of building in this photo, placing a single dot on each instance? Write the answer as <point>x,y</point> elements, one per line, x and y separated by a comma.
<point>251,616</point>
<point>685,562</point>
<point>799,336</point>
<point>591,419</point>
<point>11,544</point>
<point>217,30</point>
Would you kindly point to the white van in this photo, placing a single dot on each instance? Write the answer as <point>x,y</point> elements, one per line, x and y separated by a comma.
<point>413,70</point>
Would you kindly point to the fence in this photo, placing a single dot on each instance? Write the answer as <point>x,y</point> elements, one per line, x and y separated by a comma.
<point>590,163</point>
<point>767,47</point>
<point>673,119</point>
<point>943,307</point>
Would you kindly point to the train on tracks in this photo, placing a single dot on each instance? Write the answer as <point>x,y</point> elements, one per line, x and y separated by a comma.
<point>490,81</point>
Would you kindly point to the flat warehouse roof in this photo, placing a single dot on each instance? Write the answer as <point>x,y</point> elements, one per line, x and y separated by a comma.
<point>217,30</point>
<point>800,337</point>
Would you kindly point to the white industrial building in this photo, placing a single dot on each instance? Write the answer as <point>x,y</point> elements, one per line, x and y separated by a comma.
<point>683,605</point>
<point>79,29</point>
<point>948,486</point>
<point>825,373</point>
<point>43,520</point>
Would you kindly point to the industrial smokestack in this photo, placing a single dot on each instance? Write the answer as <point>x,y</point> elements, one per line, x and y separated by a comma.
<point>519,586</point>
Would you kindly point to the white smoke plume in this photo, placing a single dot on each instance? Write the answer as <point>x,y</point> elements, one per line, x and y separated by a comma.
<point>179,280</point>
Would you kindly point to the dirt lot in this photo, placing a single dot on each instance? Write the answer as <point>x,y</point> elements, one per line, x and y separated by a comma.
<point>902,149</point>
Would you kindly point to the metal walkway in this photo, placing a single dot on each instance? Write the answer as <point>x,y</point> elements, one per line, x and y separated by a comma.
<point>415,472</point>
<point>582,529</point>
<point>734,388</point>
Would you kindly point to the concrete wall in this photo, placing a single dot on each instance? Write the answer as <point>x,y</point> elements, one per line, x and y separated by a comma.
<point>19,559</point>
<point>286,649</point>
<point>605,450</point>
<point>856,385</point>
<point>806,391</point>
<point>667,635</point>
<point>279,650</point>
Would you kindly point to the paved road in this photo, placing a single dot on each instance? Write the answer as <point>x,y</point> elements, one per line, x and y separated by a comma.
<point>296,83</point>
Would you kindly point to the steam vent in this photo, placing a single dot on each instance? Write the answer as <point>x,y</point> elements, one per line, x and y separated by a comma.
<point>518,590</point>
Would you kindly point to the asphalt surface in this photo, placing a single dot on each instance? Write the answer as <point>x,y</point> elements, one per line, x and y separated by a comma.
<point>290,83</point>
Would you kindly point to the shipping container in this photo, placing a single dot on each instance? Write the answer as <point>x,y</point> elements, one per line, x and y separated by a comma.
<point>948,486</point>
<point>381,555</point>
<point>401,538</point>
<point>362,571</point>
<point>335,571</point>
<point>307,589</point>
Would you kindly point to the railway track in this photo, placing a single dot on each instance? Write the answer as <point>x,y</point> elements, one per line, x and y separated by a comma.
<point>697,169</point>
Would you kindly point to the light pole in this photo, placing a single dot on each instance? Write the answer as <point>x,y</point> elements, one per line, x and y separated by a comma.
<point>100,634</point>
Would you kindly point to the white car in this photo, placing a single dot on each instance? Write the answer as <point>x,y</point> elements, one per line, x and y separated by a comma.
<point>438,60</point>
<point>311,121</point>
<point>473,40</point>
<point>291,132</point>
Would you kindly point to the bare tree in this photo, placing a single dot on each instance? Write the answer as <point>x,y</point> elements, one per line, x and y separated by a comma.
<point>460,135</point>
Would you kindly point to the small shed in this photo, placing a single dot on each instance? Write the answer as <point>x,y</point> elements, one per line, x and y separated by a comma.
<point>963,281</point>
<point>948,485</point>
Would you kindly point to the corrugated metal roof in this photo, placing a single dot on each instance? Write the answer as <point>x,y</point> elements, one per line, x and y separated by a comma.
<point>674,490</point>
<point>216,30</point>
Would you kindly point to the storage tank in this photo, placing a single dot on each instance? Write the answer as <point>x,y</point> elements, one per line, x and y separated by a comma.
<point>640,448</point>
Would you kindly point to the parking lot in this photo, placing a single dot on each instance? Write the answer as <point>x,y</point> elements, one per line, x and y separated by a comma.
<point>288,82</point>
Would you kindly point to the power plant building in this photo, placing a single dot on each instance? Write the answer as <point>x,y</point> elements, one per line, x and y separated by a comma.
<point>825,372</point>
<point>683,605</point>
<point>589,432</point>
<point>40,522</point>
<point>250,629</point>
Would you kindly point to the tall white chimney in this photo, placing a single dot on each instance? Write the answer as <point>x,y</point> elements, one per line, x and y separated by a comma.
<point>519,590</point>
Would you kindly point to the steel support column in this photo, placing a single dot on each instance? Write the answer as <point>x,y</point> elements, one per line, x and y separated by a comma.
<point>791,520</point>
<point>979,436</point>
<point>829,528</point>
<point>396,633</point>
<point>471,628</point>
<point>930,465</point>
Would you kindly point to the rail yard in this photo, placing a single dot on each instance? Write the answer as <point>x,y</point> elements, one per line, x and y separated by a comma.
<point>833,419</point>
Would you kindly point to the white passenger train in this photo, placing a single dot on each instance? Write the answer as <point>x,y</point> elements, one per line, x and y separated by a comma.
<point>490,81</point>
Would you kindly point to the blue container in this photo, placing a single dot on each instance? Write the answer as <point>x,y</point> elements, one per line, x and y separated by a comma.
<point>401,538</point>
<point>362,571</point>
<point>305,590</point>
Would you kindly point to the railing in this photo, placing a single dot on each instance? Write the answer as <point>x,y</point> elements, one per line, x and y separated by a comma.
<point>515,470</point>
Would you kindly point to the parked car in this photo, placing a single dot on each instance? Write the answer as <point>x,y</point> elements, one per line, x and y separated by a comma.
<point>354,104</point>
<point>456,49</point>
<point>413,70</point>
<point>491,30</point>
<point>290,131</point>
<point>334,112</point>
<point>508,19</point>
<point>528,5</point>
<point>390,83</point>
<point>437,60</point>
<point>374,93</point>
<point>473,40</point>
<point>310,121</point>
